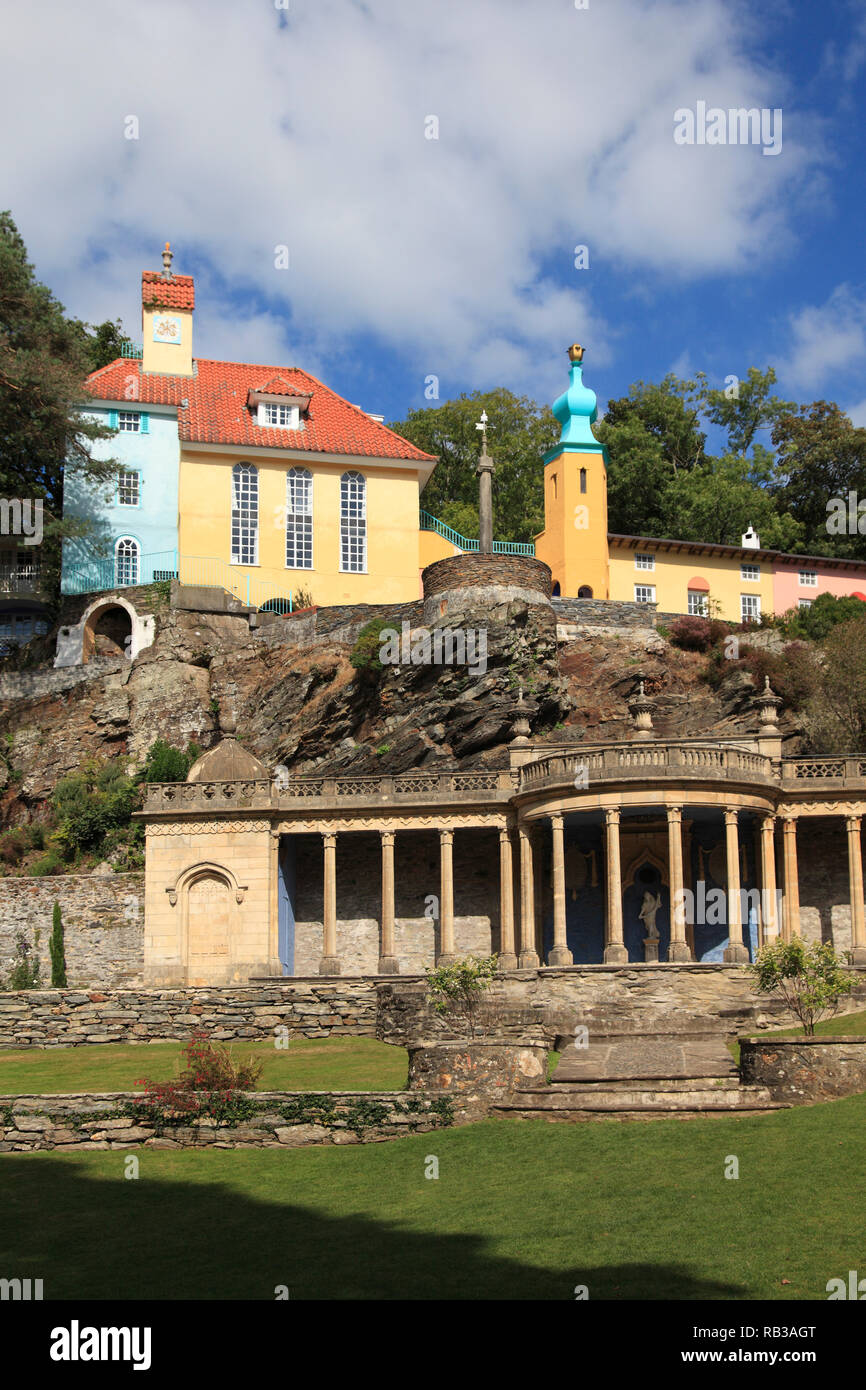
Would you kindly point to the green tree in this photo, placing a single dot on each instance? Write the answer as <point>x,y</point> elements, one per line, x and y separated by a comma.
<point>44,360</point>
<point>821,457</point>
<point>719,500</point>
<point>807,975</point>
<point>56,947</point>
<point>167,764</point>
<point>519,433</point>
<point>835,719</point>
<point>104,342</point>
<point>744,408</point>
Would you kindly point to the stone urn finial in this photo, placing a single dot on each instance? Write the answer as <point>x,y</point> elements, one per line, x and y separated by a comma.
<point>227,722</point>
<point>768,706</point>
<point>641,707</point>
<point>522,710</point>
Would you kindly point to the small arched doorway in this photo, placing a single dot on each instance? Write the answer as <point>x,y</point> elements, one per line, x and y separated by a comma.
<point>208,921</point>
<point>584,591</point>
<point>107,632</point>
<point>556,590</point>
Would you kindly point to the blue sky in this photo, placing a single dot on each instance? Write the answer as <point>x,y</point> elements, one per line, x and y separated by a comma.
<point>304,125</point>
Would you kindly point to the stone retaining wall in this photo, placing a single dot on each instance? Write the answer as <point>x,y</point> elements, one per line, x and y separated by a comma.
<point>308,1008</point>
<point>606,999</point>
<point>33,685</point>
<point>475,571</point>
<point>280,1119</point>
<point>799,1070</point>
<point>103,924</point>
<point>604,612</point>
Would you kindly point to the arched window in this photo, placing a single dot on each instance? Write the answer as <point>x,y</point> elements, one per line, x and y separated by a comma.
<point>353,523</point>
<point>299,519</point>
<point>245,514</point>
<point>126,555</point>
<point>585,591</point>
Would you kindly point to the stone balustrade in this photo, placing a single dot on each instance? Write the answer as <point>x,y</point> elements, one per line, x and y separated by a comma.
<point>675,761</point>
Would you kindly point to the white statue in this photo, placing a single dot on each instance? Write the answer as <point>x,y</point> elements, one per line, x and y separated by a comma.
<point>647,914</point>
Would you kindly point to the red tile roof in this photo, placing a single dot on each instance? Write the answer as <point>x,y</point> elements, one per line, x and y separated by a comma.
<point>277,386</point>
<point>176,293</point>
<point>216,410</point>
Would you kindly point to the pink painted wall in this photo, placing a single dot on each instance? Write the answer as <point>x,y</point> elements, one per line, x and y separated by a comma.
<point>787,589</point>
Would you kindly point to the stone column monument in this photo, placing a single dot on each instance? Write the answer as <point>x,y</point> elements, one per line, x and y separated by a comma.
<point>485,492</point>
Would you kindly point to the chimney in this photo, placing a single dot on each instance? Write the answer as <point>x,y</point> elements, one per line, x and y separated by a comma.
<point>750,539</point>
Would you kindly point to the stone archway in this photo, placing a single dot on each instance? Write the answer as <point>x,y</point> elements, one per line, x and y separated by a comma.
<point>109,626</point>
<point>209,897</point>
<point>107,632</point>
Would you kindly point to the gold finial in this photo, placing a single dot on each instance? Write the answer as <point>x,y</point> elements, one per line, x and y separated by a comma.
<point>575,353</point>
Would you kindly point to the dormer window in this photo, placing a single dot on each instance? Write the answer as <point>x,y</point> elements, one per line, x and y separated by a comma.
<point>284,417</point>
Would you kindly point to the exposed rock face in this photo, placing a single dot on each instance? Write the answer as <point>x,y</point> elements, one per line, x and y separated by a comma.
<point>303,704</point>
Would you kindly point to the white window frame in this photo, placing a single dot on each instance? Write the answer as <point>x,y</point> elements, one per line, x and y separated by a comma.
<point>641,589</point>
<point>750,607</point>
<point>131,477</point>
<point>644,562</point>
<point>299,519</point>
<point>245,514</point>
<point>353,523</point>
<point>129,421</point>
<point>750,574</point>
<point>279,416</point>
<point>697,603</point>
<point>804,602</point>
<point>127,561</point>
<point>808,579</point>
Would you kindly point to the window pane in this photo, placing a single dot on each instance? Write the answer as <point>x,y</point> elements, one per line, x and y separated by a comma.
<point>299,519</point>
<point>126,561</point>
<point>353,523</point>
<point>245,514</point>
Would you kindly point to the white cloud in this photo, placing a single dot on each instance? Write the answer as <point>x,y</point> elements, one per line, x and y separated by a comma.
<point>825,341</point>
<point>555,128</point>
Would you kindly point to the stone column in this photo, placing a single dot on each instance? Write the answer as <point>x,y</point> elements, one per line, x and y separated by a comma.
<point>507,953</point>
<point>769,902</point>
<point>736,950</point>
<point>447,954</point>
<point>679,947</point>
<point>791,925</point>
<point>614,949</point>
<point>528,955</point>
<point>330,962</point>
<point>855,881</point>
<point>388,963</point>
<point>560,954</point>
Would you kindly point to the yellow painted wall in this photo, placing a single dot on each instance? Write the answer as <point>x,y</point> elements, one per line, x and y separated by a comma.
<point>574,540</point>
<point>204,529</point>
<point>173,358</point>
<point>433,547</point>
<point>671,579</point>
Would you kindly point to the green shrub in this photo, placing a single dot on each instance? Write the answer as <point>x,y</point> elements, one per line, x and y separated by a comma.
<point>55,946</point>
<point>691,633</point>
<point>14,844</point>
<point>364,656</point>
<point>807,975</point>
<point>167,764</point>
<point>50,863</point>
<point>457,990</point>
<point>90,804</point>
<point>825,613</point>
<point>26,969</point>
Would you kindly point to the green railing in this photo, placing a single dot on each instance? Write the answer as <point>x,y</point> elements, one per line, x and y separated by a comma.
<point>432,523</point>
<point>128,349</point>
<point>206,572</point>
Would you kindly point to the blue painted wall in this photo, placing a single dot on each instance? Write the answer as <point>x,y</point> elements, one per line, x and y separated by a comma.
<point>286,901</point>
<point>153,523</point>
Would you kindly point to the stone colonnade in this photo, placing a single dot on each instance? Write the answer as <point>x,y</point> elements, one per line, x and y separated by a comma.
<point>524,954</point>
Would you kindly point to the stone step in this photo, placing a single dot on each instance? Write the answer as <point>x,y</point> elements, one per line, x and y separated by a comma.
<point>575,1105</point>
<point>645,1057</point>
<point>655,1083</point>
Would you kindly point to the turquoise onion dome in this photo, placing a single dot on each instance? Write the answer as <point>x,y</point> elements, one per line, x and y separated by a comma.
<point>576,408</point>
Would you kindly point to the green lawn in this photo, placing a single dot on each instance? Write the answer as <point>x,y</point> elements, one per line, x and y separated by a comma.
<point>521,1209</point>
<point>307,1064</point>
<point>844,1025</point>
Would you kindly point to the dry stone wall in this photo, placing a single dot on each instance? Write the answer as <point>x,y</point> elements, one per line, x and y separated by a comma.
<point>273,1119</point>
<point>103,922</point>
<point>308,1008</point>
<point>799,1070</point>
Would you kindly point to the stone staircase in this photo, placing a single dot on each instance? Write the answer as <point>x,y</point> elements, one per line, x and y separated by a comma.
<point>641,1076</point>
